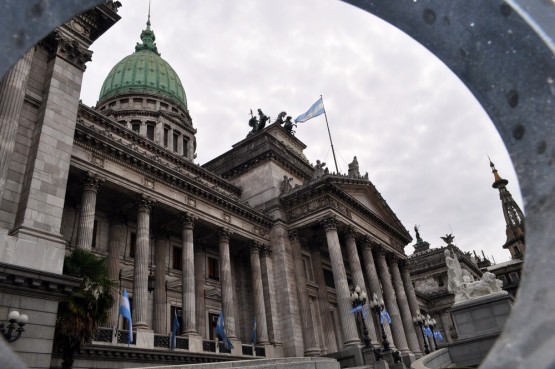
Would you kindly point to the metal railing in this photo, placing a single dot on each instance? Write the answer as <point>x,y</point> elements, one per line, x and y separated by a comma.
<point>103,335</point>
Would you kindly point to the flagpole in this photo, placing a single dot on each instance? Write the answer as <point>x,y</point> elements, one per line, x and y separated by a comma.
<point>329,133</point>
<point>119,302</point>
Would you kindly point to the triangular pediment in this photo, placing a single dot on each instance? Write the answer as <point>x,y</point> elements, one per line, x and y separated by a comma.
<point>367,195</point>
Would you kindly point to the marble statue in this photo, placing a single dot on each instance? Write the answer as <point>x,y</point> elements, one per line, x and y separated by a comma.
<point>289,125</point>
<point>353,168</point>
<point>462,284</point>
<point>319,170</point>
<point>286,184</point>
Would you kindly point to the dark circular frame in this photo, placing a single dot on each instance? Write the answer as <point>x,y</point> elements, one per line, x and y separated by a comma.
<point>504,52</point>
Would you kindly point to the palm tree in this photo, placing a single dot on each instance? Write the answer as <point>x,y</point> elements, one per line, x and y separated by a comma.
<point>83,311</point>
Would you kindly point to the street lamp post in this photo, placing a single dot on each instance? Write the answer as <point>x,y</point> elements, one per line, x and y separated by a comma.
<point>14,317</point>
<point>378,306</point>
<point>358,298</point>
<point>431,323</point>
<point>420,320</point>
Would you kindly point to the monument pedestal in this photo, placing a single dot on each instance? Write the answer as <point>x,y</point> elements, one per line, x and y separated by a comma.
<point>478,323</point>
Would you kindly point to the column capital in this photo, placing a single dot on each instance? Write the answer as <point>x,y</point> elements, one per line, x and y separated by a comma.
<point>92,181</point>
<point>145,202</point>
<point>392,258</point>
<point>265,250</point>
<point>294,235</point>
<point>224,234</point>
<point>403,265</point>
<point>255,247</point>
<point>329,222</point>
<point>187,220</point>
<point>381,250</point>
<point>350,232</point>
<point>71,50</point>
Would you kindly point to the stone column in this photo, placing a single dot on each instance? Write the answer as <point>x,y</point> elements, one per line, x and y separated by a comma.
<point>161,252</point>
<point>350,334</point>
<point>226,283</point>
<point>200,277</point>
<point>403,304</point>
<point>323,300</point>
<point>374,285</point>
<point>140,276</point>
<point>447,323</point>
<point>391,303</point>
<point>358,278</point>
<point>188,280</point>
<point>12,95</point>
<point>258,295</point>
<point>267,269</point>
<point>92,182</point>
<point>413,302</point>
<point>116,243</point>
<point>310,348</point>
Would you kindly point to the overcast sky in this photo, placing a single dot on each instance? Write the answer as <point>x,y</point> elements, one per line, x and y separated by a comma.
<point>414,127</point>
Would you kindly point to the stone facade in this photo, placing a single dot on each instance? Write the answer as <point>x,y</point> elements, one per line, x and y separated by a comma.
<point>230,236</point>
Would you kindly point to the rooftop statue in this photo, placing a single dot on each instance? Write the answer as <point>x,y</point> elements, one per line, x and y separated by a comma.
<point>463,286</point>
<point>263,119</point>
<point>289,125</point>
<point>319,170</point>
<point>353,168</point>
<point>280,118</point>
<point>418,238</point>
<point>286,184</point>
<point>253,122</point>
<point>448,239</point>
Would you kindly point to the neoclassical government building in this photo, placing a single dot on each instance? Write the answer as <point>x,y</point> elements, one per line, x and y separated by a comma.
<point>258,233</point>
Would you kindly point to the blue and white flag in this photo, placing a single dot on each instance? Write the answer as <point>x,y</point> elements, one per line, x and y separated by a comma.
<point>356,309</point>
<point>221,332</point>
<point>384,317</point>
<point>428,332</point>
<point>365,312</point>
<point>438,336</point>
<point>125,311</point>
<point>316,109</point>
<point>253,336</point>
<point>175,328</point>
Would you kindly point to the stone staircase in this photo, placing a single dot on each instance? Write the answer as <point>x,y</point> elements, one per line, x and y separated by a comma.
<point>282,363</point>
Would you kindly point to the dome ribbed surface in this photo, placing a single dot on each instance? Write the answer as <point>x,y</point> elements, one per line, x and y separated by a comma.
<point>144,72</point>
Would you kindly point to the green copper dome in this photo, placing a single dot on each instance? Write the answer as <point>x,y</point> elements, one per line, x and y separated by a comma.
<point>144,72</point>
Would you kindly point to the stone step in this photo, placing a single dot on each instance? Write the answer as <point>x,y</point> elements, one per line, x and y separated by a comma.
<point>281,363</point>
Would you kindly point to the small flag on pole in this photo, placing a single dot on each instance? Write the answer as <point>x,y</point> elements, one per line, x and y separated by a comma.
<point>125,311</point>
<point>253,336</point>
<point>384,317</point>
<point>316,109</point>
<point>356,309</point>
<point>221,332</point>
<point>365,312</point>
<point>175,328</point>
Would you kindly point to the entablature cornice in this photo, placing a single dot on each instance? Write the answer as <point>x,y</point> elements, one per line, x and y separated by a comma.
<point>95,142</point>
<point>324,194</point>
<point>112,129</point>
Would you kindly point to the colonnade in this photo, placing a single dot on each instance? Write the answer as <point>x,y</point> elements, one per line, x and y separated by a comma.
<point>381,272</point>
<point>192,294</point>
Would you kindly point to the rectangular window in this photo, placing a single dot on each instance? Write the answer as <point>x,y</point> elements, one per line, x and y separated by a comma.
<point>163,106</point>
<point>95,229</point>
<point>177,254</point>
<point>175,141</point>
<point>213,268</point>
<point>440,282</point>
<point>176,310</point>
<point>150,131</point>
<point>166,136</point>
<point>132,244</point>
<point>136,126</point>
<point>185,146</point>
<point>328,277</point>
<point>503,279</point>
<point>212,321</point>
<point>138,103</point>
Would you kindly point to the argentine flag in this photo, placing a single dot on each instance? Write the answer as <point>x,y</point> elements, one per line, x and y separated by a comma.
<point>125,311</point>
<point>221,332</point>
<point>316,109</point>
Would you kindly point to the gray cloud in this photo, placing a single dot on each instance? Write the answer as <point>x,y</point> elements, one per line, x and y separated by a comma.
<point>413,125</point>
